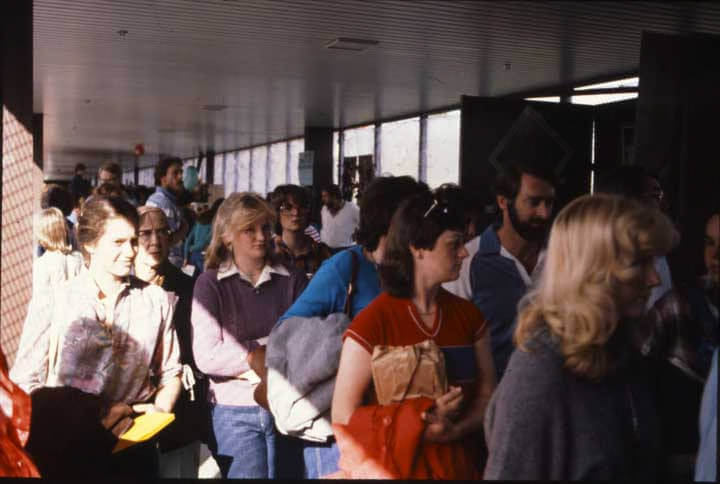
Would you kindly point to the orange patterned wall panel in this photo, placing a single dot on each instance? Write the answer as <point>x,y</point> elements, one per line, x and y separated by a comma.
<point>21,181</point>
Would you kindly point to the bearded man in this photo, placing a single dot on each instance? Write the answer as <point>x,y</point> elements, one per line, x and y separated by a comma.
<point>508,254</point>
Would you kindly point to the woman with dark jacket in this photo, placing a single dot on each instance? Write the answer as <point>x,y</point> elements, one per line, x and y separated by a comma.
<point>574,402</point>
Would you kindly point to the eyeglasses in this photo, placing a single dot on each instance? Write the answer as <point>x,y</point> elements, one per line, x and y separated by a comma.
<point>287,208</point>
<point>147,234</point>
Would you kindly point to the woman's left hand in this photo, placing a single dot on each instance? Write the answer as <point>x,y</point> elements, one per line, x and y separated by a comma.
<point>145,408</point>
<point>440,429</point>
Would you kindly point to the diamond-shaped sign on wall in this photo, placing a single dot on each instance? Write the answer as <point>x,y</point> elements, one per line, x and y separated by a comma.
<point>532,139</point>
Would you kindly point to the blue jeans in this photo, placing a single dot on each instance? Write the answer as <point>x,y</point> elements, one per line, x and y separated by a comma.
<point>244,442</point>
<point>320,459</point>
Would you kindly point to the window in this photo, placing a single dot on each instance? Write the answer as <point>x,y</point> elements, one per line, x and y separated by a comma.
<point>336,156</point>
<point>258,170</point>
<point>595,99</point>
<point>277,166</point>
<point>547,99</point>
<point>146,176</point>
<point>359,141</point>
<point>443,148</point>
<point>295,147</point>
<point>242,170</point>
<point>400,147</point>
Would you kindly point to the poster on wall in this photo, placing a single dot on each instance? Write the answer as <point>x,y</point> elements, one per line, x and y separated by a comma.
<point>305,167</point>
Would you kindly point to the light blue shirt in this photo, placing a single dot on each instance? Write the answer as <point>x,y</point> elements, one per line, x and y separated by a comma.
<point>327,290</point>
<point>167,202</point>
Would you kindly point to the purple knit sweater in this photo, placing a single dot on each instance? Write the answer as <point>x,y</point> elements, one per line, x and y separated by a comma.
<point>228,316</point>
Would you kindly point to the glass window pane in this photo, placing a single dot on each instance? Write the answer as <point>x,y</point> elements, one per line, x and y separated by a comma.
<point>547,99</point>
<point>219,168</point>
<point>336,157</point>
<point>278,165</point>
<point>399,147</point>
<point>360,141</point>
<point>258,175</point>
<point>146,176</point>
<point>297,146</point>
<point>595,99</point>
<point>242,182</point>
<point>443,148</point>
<point>231,172</point>
<point>627,82</point>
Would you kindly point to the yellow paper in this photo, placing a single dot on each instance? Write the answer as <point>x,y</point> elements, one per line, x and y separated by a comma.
<point>144,427</point>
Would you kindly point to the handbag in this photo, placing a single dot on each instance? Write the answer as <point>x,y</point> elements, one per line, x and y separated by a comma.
<point>256,358</point>
<point>403,372</point>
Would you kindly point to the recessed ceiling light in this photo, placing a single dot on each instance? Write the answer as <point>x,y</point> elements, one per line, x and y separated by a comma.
<point>214,107</point>
<point>122,32</point>
<point>346,43</point>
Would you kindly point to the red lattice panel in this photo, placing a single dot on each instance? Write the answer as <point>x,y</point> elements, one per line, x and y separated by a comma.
<point>19,195</point>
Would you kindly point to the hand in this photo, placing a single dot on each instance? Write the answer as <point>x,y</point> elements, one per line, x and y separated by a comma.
<point>256,360</point>
<point>145,408</point>
<point>118,418</point>
<point>448,406</point>
<point>439,429</point>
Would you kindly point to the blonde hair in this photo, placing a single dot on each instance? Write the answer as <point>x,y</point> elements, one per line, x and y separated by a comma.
<point>594,244</point>
<point>51,230</point>
<point>236,212</point>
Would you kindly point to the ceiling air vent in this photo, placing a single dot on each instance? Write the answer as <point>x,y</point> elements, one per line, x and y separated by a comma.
<point>346,43</point>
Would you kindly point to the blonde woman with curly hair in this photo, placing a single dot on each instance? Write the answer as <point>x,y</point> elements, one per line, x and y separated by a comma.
<point>59,262</point>
<point>574,402</point>
<point>236,302</point>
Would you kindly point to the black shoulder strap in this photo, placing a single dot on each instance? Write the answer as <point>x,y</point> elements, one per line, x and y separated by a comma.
<point>351,284</point>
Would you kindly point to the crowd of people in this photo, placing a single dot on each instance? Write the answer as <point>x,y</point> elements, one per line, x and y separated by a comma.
<point>405,336</point>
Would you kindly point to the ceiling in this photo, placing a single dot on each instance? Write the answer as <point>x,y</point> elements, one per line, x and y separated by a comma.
<point>102,92</point>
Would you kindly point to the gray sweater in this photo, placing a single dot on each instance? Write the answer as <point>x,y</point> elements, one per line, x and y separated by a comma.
<point>543,422</point>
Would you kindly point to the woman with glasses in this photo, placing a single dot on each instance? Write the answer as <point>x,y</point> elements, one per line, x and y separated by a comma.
<point>180,442</point>
<point>434,434</point>
<point>575,402</point>
<point>291,243</point>
<point>106,332</point>
<point>236,301</point>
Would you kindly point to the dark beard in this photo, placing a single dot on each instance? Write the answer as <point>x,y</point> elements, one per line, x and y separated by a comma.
<point>526,230</point>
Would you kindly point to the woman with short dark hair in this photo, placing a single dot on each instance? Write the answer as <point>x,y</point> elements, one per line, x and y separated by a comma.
<point>327,291</point>
<point>424,248</point>
<point>291,244</point>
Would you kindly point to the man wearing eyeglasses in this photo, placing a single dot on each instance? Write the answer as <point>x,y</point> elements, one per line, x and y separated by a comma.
<point>339,219</point>
<point>508,255</point>
<point>636,182</point>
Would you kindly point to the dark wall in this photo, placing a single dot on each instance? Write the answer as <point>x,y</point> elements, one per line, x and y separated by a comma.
<point>614,130</point>
<point>503,130</point>
<point>677,128</point>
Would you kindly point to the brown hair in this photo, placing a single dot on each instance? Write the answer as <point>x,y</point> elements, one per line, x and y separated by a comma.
<point>94,215</point>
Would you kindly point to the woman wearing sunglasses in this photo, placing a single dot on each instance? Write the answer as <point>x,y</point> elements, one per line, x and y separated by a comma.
<point>436,437</point>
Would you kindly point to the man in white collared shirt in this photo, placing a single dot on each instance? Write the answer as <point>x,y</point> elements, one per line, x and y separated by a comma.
<point>339,219</point>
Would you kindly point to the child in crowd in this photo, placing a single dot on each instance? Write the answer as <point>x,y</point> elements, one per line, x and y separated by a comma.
<point>59,262</point>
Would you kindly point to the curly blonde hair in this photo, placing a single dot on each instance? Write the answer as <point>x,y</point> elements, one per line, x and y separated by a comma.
<point>594,244</point>
<point>237,212</point>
